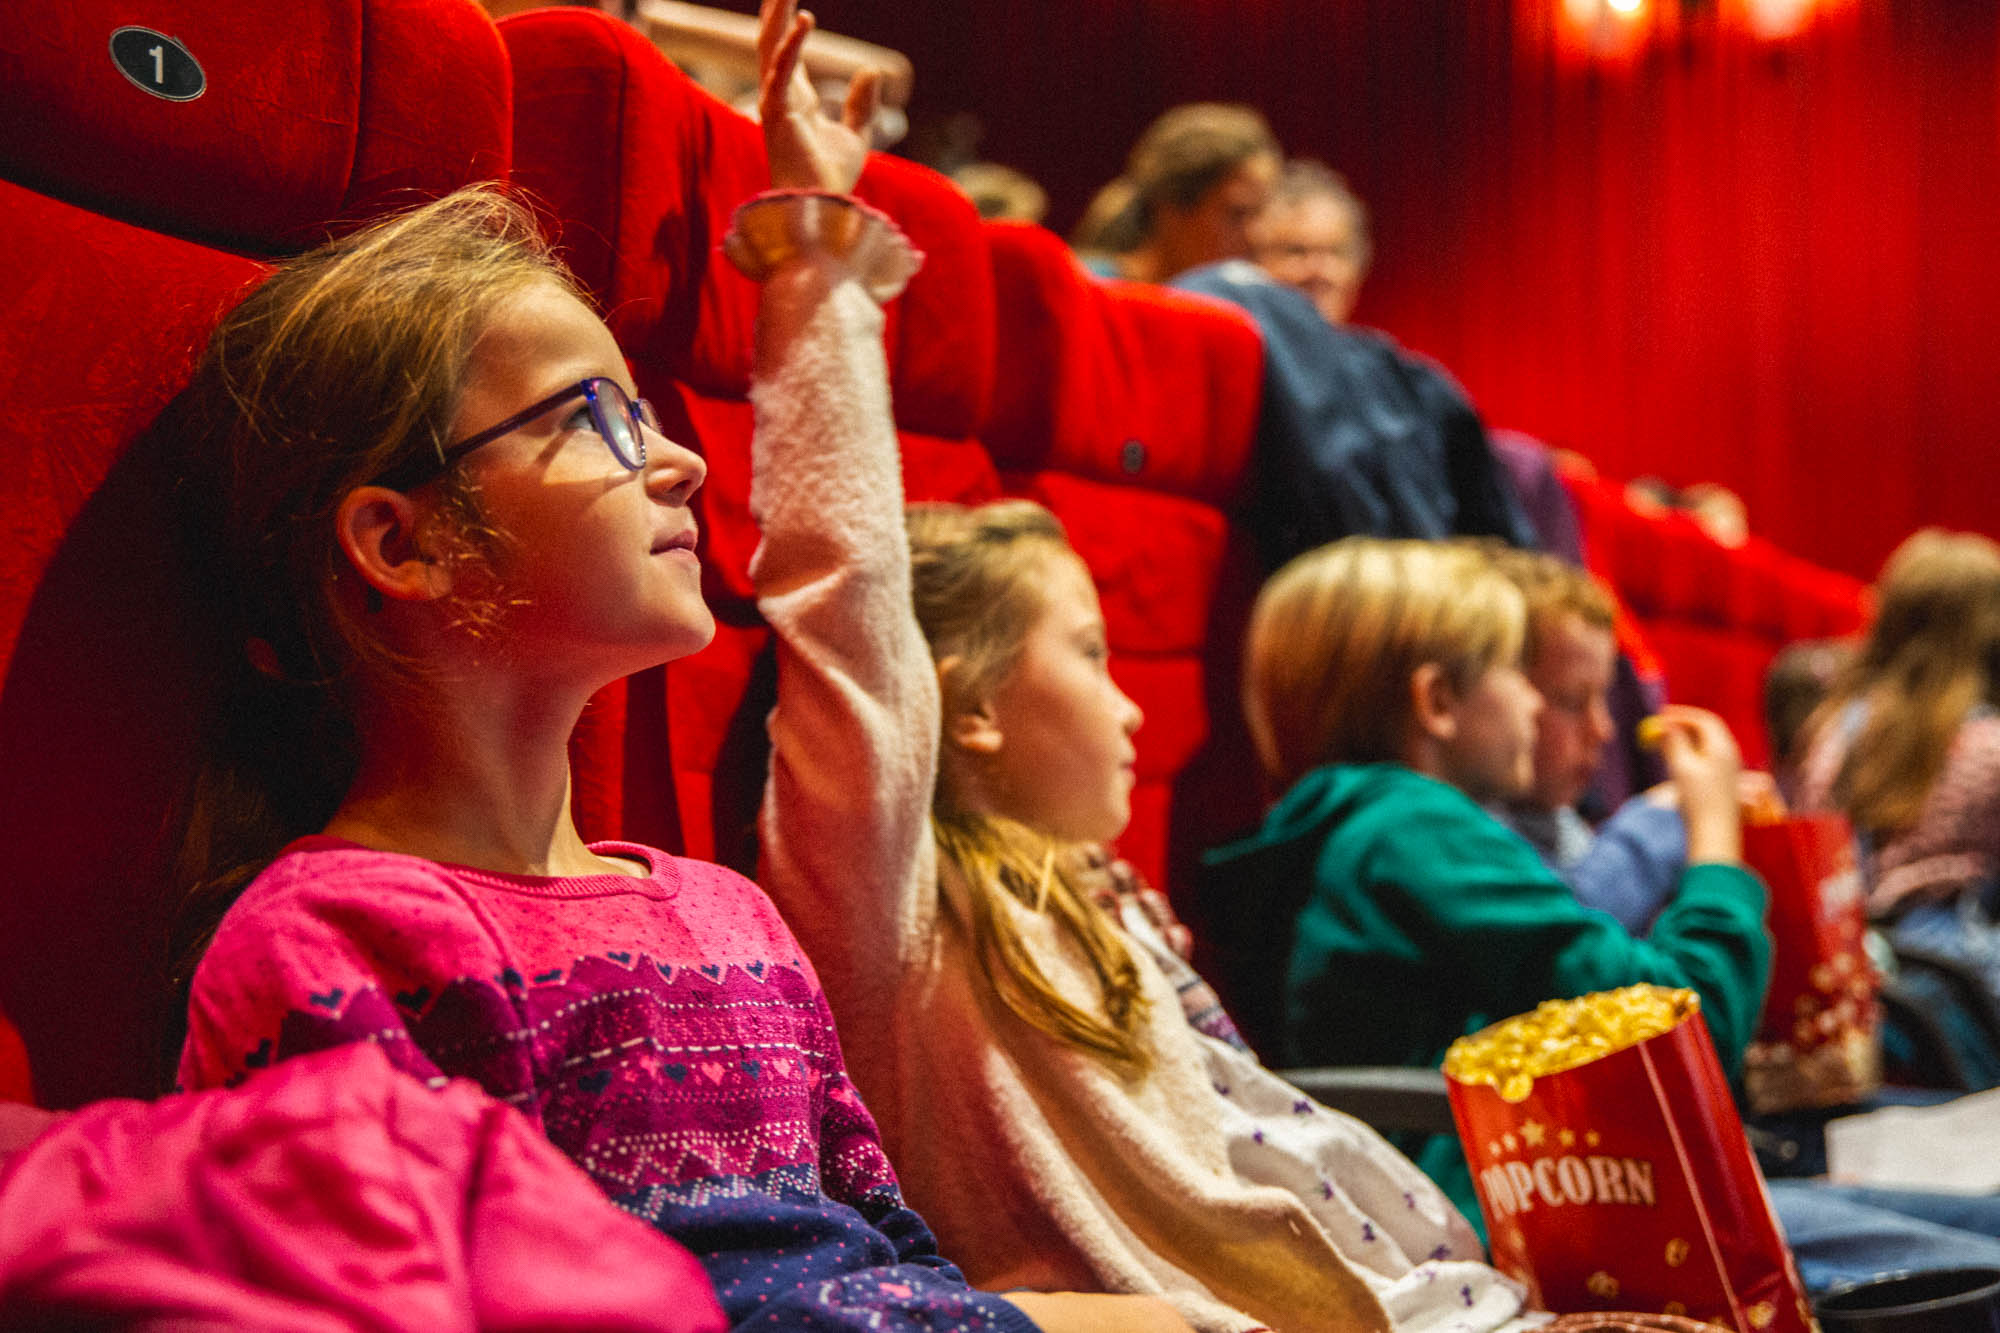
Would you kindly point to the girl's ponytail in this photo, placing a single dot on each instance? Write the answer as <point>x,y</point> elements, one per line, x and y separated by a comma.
<point>997,856</point>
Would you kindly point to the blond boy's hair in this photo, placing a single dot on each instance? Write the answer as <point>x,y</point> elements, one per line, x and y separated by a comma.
<point>1553,588</point>
<point>1337,634</point>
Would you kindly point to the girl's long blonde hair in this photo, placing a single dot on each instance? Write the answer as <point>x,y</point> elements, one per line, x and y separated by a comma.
<point>1931,656</point>
<point>976,575</point>
<point>1336,635</point>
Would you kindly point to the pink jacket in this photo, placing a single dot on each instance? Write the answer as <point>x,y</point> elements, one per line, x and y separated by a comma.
<point>328,1193</point>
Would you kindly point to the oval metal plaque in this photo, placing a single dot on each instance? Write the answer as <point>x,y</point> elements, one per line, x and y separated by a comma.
<point>157,63</point>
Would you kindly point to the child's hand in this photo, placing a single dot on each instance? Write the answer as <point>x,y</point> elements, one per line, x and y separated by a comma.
<point>1083,1312</point>
<point>1706,768</point>
<point>807,150</point>
<point>1758,797</point>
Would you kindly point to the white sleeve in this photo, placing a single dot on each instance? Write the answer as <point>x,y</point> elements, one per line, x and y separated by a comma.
<point>847,846</point>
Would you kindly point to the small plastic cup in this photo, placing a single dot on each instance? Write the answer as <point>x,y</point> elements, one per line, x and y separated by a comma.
<point>1950,1300</point>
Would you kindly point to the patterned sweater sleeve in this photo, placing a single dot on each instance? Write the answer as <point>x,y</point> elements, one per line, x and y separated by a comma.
<point>855,1171</point>
<point>847,845</point>
<point>333,948</point>
<point>898,1280</point>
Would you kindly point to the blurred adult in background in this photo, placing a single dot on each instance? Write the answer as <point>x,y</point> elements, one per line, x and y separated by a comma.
<point>1193,184</point>
<point>1907,744</point>
<point>1313,236</point>
<point>1002,193</point>
<point>1357,436</point>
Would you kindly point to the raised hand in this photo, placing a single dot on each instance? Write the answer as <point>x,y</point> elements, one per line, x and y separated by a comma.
<point>1699,749</point>
<point>807,149</point>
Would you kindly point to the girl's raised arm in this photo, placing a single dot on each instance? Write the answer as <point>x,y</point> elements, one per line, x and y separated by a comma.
<point>847,845</point>
<point>847,848</point>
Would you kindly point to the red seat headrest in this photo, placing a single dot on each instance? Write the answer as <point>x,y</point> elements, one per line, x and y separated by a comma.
<point>1121,382</point>
<point>299,114</point>
<point>640,171</point>
<point>637,170</point>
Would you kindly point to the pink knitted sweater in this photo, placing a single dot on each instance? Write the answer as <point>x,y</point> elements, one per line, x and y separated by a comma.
<point>667,1033</point>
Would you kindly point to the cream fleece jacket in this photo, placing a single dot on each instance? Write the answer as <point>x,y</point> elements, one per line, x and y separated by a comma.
<point>1209,1180</point>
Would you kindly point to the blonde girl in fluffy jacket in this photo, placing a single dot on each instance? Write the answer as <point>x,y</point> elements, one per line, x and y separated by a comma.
<point>935,789</point>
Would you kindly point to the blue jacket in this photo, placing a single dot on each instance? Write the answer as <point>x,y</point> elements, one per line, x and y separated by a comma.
<point>1358,436</point>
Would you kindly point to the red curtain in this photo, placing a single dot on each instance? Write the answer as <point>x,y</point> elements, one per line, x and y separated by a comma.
<point>1770,263</point>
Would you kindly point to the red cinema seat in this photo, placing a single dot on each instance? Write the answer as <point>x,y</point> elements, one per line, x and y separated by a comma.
<point>16,1081</point>
<point>133,221</point>
<point>1715,615</point>
<point>639,171</point>
<point>1130,411</point>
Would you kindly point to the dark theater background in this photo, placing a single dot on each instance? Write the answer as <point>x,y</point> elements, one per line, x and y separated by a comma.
<point>1751,242</point>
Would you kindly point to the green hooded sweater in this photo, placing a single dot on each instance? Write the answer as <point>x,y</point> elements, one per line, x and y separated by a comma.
<point>1420,918</point>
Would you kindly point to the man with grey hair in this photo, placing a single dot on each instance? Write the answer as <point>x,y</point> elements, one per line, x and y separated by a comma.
<point>1356,435</point>
<point>1313,235</point>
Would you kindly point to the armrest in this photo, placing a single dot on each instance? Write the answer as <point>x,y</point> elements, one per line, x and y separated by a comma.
<point>1386,1097</point>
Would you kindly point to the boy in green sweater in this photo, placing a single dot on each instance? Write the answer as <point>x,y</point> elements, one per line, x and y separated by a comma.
<point>1383,688</point>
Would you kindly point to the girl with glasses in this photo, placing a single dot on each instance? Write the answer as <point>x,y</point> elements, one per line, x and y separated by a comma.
<point>420,465</point>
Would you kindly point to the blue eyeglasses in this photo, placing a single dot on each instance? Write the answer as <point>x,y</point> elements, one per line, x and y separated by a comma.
<point>621,422</point>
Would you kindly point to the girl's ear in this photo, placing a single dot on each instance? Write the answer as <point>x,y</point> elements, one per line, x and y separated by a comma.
<point>971,727</point>
<point>1433,702</point>
<point>378,530</point>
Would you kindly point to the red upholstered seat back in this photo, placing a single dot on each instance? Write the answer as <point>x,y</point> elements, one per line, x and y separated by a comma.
<point>1130,411</point>
<point>128,218</point>
<point>1714,615</point>
<point>16,1082</point>
<point>310,112</point>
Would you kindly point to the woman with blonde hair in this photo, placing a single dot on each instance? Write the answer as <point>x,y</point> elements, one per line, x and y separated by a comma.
<point>1383,688</point>
<point>1907,744</point>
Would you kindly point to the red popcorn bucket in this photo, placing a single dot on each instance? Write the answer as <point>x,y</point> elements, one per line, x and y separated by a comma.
<point>1621,1180</point>
<point>1820,1040</point>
